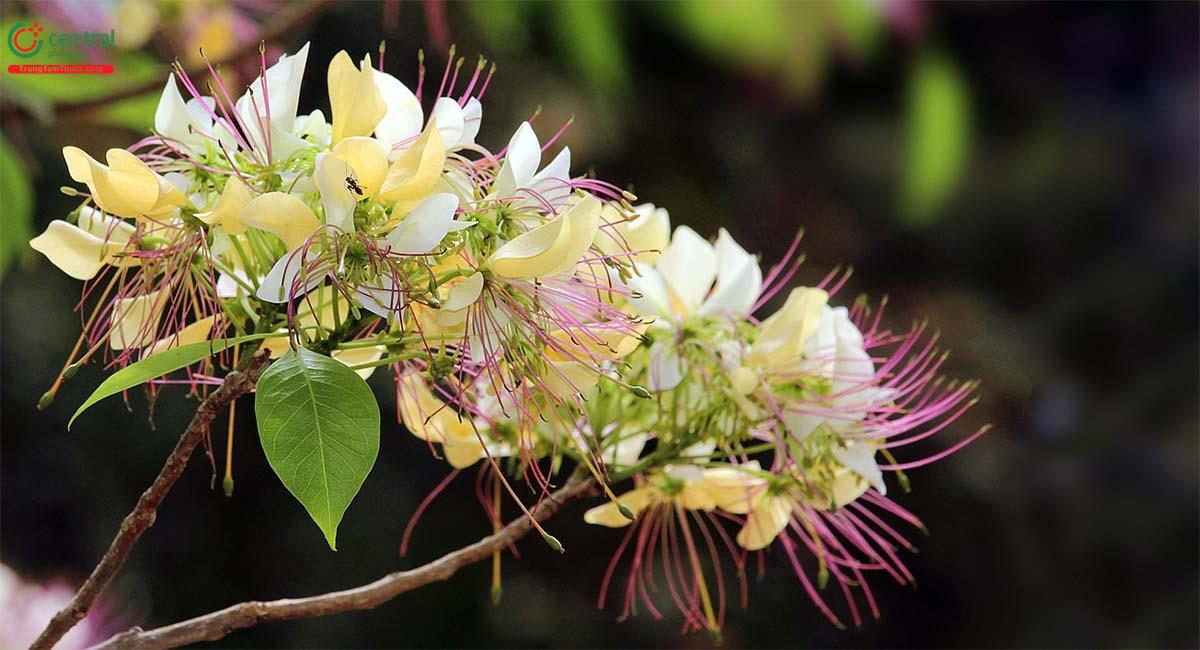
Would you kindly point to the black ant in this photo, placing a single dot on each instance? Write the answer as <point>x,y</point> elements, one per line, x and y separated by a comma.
<point>352,184</point>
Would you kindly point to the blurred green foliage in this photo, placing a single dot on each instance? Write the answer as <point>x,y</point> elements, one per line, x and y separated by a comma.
<point>16,211</point>
<point>937,137</point>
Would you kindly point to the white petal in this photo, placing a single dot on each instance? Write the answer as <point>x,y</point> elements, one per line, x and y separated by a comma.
<point>101,225</point>
<point>172,118</point>
<point>404,116</point>
<point>465,293</point>
<point>277,285</point>
<point>228,287</point>
<point>552,184</point>
<point>449,117</point>
<point>472,118</point>
<point>625,452</point>
<point>283,95</point>
<point>739,280</point>
<point>425,227</point>
<point>336,196</point>
<point>520,161</point>
<point>859,457</point>
<point>688,266</point>
<point>650,296</point>
<point>383,301</point>
<point>666,368</point>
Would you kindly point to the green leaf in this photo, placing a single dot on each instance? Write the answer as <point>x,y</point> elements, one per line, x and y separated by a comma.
<point>319,426</point>
<point>16,213</point>
<point>158,365</point>
<point>938,134</point>
<point>135,113</point>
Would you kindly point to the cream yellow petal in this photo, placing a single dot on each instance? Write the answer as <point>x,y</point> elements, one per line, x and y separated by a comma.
<point>228,212</point>
<point>566,378</point>
<point>769,518</point>
<point>744,380</point>
<point>584,217</point>
<point>551,248</point>
<point>426,416</point>
<point>847,486</point>
<point>368,160</point>
<point>134,320</point>
<point>781,336</point>
<point>463,294</point>
<point>130,179</point>
<point>734,489</point>
<point>354,100</point>
<point>87,170</point>
<point>695,496</point>
<point>74,251</point>
<point>462,452</point>
<point>647,231</point>
<point>415,174</point>
<point>283,215</point>
<point>610,515</point>
<point>359,356</point>
<point>278,345</point>
<point>117,232</point>
<point>533,253</point>
<point>194,333</point>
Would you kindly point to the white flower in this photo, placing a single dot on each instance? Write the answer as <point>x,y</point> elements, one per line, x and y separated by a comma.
<point>404,118</point>
<point>189,123</point>
<point>282,97</point>
<point>836,352</point>
<point>692,277</point>
<point>519,175</point>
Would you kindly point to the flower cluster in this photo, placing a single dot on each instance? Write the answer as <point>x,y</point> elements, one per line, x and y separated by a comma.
<point>531,318</point>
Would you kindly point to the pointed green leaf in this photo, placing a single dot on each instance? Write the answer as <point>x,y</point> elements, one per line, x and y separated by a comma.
<point>158,365</point>
<point>319,426</point>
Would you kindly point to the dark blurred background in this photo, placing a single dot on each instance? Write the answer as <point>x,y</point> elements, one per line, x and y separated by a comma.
<point>1023,175</point>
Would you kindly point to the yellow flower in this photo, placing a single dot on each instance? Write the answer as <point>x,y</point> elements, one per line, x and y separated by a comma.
<point>81,251</point>
<point>368,160</point>
<point>359,356</point>
<point>428,418</point>
<point>196,332</point>
<point>768,518</point>
<point>134,320</point>
<point>610,515</point>
<point>414,175</point>
<point>825,487</point>
<point>781,336</point>
<point>125,187</point>
<point>552,248</point>
<point>648,233</point>
<point>686,486</point>
<point>281,214</point>
<point>354,99</point>
<point>574,360</point>
<point>227,213</point>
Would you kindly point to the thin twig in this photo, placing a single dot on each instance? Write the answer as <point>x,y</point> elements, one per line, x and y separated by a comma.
<point>215,625</point>
<point>142,517</point>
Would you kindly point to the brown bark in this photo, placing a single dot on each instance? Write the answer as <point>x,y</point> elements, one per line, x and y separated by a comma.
<point>143,514</point>
<point>216,625</point>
